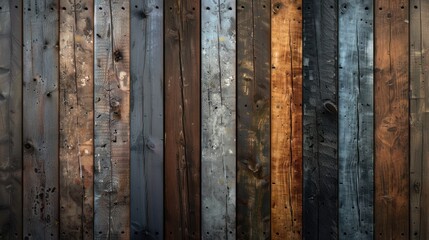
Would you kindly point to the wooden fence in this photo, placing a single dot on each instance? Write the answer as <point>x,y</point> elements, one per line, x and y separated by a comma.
<point>214,119</point>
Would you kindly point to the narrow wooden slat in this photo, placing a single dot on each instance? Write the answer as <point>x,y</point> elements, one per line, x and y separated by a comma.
<point>355,127</point>
<point>76,119</point>
<point>40,119</point>
<point>111,126</point>
<point>182,119</point>
<point>320,200</point>
<point>218,163</point>
<point>253,119</point>
<point>147,119</point>
<point>419,131</point>
<point>391,119</point>
<point>11,119</point>
<point>286,119</point>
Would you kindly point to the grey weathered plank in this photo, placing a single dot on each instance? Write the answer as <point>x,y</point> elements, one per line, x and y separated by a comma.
<point>11,119</point>
<point>111,125</point>
<point>40,119</point>
<point>253,119</point>
<point>218,91</point>
<point>419,129</point>
<point>146,125</point>
<point>76,119</point>
<point>355,126</point>
<point>320,199</point>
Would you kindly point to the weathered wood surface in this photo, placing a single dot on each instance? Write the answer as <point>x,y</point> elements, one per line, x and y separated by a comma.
<point>253,119</point>
<point>40,119</point>
<point>355,126</point>
<point>147,134</point>
<point>182,119</point>
<point>10,119</point>
<point>320,200</point>
<point>286,120</point>
<point>76,119</point>
<point>111,126</point>
<point>391,119</point>
<point>218,123</point>
<point>419,129</point>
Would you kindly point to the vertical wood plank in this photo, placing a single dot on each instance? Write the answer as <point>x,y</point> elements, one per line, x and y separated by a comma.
<point>40,119</point>
<point>147,132</point>
<point>182,119</point>
<point>253,119</point>
<point>76,119</point>
<point>218,163</point>
<point>320,202</point>
<point>286,119</point>
<point>11,119</point>
<point>391,119</point>
<point>111,126</point>
<point>419,132</point>
<point>355,127</point>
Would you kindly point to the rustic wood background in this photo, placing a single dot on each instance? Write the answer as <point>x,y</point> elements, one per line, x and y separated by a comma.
<point>214,119</point>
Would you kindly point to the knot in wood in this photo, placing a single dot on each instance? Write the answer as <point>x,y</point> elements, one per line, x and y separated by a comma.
<point>118,56</point>
<point>330,107</point>
<point>276,7</point>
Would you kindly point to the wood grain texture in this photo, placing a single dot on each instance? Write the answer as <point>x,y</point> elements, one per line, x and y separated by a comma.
<point>286,119</point>
<point>320,200</point>
<point>11,119</point>
<point>419,131</point>
<point>182,119</point>
<point>147,133</point>
<point>253,119</point>
<point>40,119</point>
<point>218,136</point>
<point>111,126</point>
<point>76,119</point>
<point>391,119</point>
<point>355,127</point>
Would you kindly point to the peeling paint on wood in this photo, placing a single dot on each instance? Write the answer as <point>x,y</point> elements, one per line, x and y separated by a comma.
<point>182,119</point>
<point>355,131</point>
<point>11,119</point>
<point>111,125</point>
<point>253,119</point>
<point>218,163</point>
<point>40,119</point>
<point>147,134</point>
<point>391,108</point>
<point>76,119</point>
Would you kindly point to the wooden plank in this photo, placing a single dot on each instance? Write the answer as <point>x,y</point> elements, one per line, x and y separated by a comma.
<point>391,119</point>
<point>320,201</point>
<point>182,119</point>
<point>111,129</point>
<point>218,162</point>
<point>253,119</point>
<point>11,119</point>
<point>40,119</point>
<point>419,132</point>
<point>76,119</point>
<point>286,120</point>
<point>147,134</point>
<point>355,127</point>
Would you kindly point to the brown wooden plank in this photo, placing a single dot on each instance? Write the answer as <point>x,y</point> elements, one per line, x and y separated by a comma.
<point>253,119</point>
<point>286,119</point>
<point>40,119</point>
<point>111,114</point>
<point>182,119</point>
<point>76,119</point>
<point>10,119</point>
<point>391,119</point>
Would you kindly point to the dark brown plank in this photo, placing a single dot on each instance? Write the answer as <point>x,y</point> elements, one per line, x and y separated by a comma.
<point>391,119</point>
<point>182,119</point>
<point>253,119</point>
<point>40,119</point>
<point>10,119</point>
